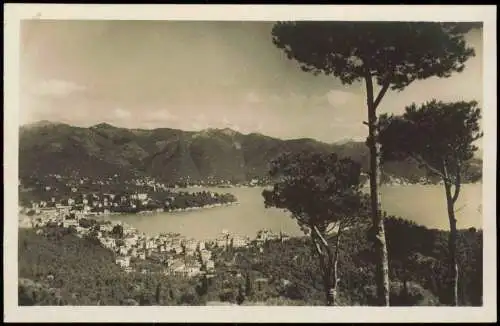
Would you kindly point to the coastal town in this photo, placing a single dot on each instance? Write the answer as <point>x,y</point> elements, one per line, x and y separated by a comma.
<point>193,162</point>
<point>167,253</point>
<point>87,196</point>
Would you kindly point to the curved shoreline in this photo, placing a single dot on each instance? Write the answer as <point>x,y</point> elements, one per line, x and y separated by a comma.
<point>188,209</point>
<point>178,210</point>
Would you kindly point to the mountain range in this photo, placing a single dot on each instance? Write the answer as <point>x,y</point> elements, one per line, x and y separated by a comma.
<point>168,154</point>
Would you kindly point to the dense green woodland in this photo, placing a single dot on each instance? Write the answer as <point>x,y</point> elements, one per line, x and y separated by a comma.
<point>62,269</point>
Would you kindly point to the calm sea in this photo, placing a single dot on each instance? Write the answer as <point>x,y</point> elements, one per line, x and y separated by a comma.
<point>424,204</point>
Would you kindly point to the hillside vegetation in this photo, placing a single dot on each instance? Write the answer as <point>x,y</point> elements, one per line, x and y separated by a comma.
<point>172,155</point>
<point>90,276</point>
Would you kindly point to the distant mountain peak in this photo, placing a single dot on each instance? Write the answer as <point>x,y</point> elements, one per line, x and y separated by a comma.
<point>228,131</point>
<point>41,123</point>
<point>170,155</point>
<point>344,141</point>
<point>103,125</point>
<point>224,131</point>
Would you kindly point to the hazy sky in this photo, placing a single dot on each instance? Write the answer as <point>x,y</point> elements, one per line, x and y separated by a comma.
<point>196,75</point>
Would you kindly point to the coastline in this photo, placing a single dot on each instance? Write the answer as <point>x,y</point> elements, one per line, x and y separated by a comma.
<point>178,210</point>
<point>188,218</point>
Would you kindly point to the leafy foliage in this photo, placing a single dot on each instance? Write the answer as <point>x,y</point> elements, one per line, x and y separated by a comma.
<point>420,260</point>
<point>394,52</point>
<point>434,133</point>
<point>322,192</point>
<point>318,189</point>
<point>82,272</point>
<point>441,137</point>
<point>90,276</point>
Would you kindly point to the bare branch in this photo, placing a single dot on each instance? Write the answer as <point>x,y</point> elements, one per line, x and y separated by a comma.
<point>347,221</point>
<point>323,240</point>
<point>332,227</point>
<point>337,245</point>
<point>321,261</point>
<point>381,94</point>
<point>420,160</point>
<point>315,239</point>
<point>458,182</point>
<point>318,248</point>
<point>369,94</point>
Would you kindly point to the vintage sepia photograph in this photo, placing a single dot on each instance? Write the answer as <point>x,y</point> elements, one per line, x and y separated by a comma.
<point>252,162</point>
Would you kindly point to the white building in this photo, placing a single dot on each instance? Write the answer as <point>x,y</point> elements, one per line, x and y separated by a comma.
<point>109,242</point>
<point>130,241</point>
<point>177,249</point>
<point>239,242</point>
<point>150,244</point>
<point>285,237</point>
<point>205,255</point>
<point>210,265</point>
<point>72,222</point>
<point>123,261</point>
<point>221,242</point>
<point>193,270</point>
<point>191,245</point>
<point>177,267</point>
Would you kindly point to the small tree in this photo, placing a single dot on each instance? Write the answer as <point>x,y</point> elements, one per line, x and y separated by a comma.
<point>390,54</point>
<point>322,192</point>
<point>440,137</point>
<point>117,231</point>
<point>202,286</point>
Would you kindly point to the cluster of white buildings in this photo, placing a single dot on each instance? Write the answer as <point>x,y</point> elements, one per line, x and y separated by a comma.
<point>225,240</point>
<point>177,254</point>
<point>398,181</point>
<point>268,235</point>
<point>86,203</point>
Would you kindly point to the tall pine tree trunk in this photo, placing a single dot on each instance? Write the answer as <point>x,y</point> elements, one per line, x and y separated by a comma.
<point>452,243</point>
<point>331,283</point>
<point>330,295</point>
<point>382,266</point>
<point>335,269</point>
<point>327,283</point>
<point>329,267</point>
